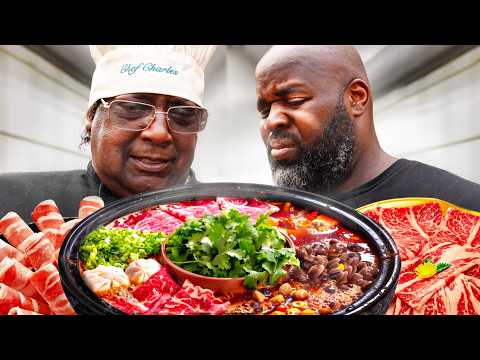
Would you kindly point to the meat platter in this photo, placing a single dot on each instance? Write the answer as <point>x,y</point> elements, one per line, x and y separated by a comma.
<point>439,246</point>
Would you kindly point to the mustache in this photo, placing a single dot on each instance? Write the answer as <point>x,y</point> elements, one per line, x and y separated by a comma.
<point>282,134</point>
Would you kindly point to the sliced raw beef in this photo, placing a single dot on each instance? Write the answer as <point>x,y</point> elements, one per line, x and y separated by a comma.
<point>428,217</point>
<point>191,300</point>
<point>159,221</point>
<point>398,307</point>
<point>373,214</point>
<point>408,237</point>
<point>44,208</point>
<point>149,220</point>
<point>253,207</point>
<point>130,306</point>
<point>416,291</point>
<point>19,311</point>
<point>10,298</point>
<point>63,232</point>
<point>46,281</point>
<point>38,250</point>
<point>89,205</point>
<point>7,250</point>
<point>17,276</point>
<point>14,229</point>
<point>473,271</point>
<point>459,297</point>
<point>457,226</point>
<point>194,209</point>
<point>159,283</point>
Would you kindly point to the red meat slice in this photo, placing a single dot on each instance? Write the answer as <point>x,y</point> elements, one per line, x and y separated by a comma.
<point>253,207</point>
<point>14,229</point>
<point>416,292</point>
<point>160,283</point>
<point>88,205</point>
<point>191,300</point>
<point>457,226</point>
<point>46,281</point>
<point>149,220</point>
<point>373,214</point>
<point>7,250</point>
<point>130,306</point>
<point>158,221</point>
<point>428,217</point>
<point>38,250</point>
<point>463,296</point>
<point>399,223</point>
<point>193,209</point>
<point>10,298</point>
<point>17,276</point>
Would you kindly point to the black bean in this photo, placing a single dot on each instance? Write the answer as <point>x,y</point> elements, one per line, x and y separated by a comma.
<point>355,247</point>
<point>323,277</point>
<point>266,292</point>
<point>341,249</point>
<point>348,269</point>
<point>315,271</point>
<point>356,277</point>
<point>301,252</point>
<point>343,279</point>
<point>333,270</point>
<point>364,283</point>
<point>333,263</point>
<point>361,265</point>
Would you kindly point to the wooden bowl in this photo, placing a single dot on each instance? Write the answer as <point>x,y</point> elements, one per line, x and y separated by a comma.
<point>216,284</point>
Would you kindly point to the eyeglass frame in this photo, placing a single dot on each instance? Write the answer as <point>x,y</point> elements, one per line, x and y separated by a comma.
<point>107,105</point>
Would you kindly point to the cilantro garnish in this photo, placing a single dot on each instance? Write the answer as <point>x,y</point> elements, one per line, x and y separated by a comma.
<point>228,245</point>
<point>442,266</point>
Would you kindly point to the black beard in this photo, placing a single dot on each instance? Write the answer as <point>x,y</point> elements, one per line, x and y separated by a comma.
<point>322,166</point>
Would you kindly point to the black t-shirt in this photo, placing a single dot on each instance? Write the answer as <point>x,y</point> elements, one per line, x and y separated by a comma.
<point>21,192</point>
<point>407,178</point>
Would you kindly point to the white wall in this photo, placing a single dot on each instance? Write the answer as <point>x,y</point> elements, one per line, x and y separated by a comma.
<point>41,114</point>
<point>230,148</point>
<point>435,119</point>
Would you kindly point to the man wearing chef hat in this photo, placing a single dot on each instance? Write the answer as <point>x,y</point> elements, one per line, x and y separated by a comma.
<point>144,113</point>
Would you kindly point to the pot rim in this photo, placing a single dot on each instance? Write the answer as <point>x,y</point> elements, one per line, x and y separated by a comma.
<point>386,250</point>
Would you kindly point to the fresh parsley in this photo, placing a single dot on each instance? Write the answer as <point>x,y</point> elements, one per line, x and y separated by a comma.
<point>229,245</point>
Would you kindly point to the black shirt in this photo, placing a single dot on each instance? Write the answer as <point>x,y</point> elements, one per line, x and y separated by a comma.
<point>407,178</point>
<point>21,192</point>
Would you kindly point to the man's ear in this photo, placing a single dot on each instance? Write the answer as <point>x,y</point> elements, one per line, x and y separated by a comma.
<point>357,97</point>
<point>91,114</point>
<point>88,125</point>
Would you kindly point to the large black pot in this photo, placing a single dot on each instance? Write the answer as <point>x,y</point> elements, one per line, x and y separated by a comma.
<point>374,301</point>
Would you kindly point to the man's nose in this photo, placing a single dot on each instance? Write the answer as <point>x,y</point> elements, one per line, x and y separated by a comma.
<point>158,130</point>
<point>277,119</point>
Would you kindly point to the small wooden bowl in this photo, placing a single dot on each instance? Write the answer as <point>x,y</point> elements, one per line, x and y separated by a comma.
<point>221,285</point>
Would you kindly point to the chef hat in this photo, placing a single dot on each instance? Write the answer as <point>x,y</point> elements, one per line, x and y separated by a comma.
<point>176,70</point>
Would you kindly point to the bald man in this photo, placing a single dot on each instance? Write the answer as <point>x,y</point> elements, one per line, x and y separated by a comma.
<point>317,124</point>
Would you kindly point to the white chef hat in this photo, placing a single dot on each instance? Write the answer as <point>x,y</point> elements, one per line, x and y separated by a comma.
<point>176,70</point>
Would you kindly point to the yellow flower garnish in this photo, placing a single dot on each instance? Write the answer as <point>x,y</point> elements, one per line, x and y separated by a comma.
<point>341,267</point>
<point>426,270</point>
